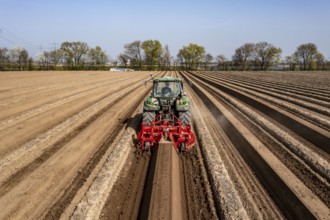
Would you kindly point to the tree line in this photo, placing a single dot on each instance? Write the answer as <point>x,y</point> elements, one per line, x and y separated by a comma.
<point>151,55</point>
<point>70,56</point>
<point>263,55</point>
<point>250,56</point>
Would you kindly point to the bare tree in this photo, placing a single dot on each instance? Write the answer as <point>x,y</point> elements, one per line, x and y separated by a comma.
<point>56,57</point>
<point>4,58</point>
<point>290,61</point>
<point>123,58</point>
<point>20,57</point>
<point>49,59</point>
<point>177,62</point>
<point>243,54</point>
<point>207,60</point>
<point>320,61</point>
<point>44,59</point>
<point>134,52</point>
<point>166,58</point>
<point>221,62</point>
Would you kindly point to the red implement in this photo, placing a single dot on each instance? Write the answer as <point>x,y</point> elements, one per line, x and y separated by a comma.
<point>180,135</point>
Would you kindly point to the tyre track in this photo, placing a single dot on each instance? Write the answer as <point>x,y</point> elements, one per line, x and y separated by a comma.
<point>302,100</point>
<point>245,187</point>
<point>68,89</point>
<point>20,94</point>
<point>38,86</point>
<point>57,209</point>
<point>59,206</point>
<point>274,190</point>
<point>305,167</point>
<point>317,137</point>
<point>286,81</point>
<point>44,107</point>
<point>199,197</point>
<point>84,173</point>
<point>247,152</point>
<point>57,131</point>
<point>311,116</point>
<point>17,177</point>
<point>318,164</point>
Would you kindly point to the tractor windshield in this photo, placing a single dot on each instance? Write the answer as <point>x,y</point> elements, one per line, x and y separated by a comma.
<point>166,89</point>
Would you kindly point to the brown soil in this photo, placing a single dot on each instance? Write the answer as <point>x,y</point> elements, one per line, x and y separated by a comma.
<point>222,94</point>
<point>68,141</point>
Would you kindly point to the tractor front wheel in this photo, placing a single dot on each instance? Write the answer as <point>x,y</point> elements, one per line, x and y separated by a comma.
<point>185,117</point>
<point>148,118</point>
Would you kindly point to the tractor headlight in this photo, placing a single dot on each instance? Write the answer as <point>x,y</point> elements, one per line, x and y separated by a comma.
<point>182,102</point>
<point>153,101</point>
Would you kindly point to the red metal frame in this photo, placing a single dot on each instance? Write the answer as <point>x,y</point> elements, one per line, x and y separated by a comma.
<point>172,129</point>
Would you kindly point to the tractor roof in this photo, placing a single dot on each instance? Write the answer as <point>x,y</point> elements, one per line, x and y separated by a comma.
<point>167,79</point>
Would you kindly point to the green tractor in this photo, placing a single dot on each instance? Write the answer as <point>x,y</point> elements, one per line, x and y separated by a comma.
<point>166,114</point>
<point>167,97</point>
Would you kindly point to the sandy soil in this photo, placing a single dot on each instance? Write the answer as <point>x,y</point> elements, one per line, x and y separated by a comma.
<point>67,148</point>
<point>49,148</point>
<point>304,167</point>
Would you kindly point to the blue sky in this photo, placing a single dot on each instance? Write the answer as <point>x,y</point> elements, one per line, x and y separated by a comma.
<point>220,26</point>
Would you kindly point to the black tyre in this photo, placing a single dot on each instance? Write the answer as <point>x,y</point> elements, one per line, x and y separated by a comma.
<point>148,118</point>
<point>185,117</point>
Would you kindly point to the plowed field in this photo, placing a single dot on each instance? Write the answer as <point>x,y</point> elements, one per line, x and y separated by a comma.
<point>67,147</point>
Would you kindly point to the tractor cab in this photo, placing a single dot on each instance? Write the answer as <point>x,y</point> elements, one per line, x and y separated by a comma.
<point>166,113</point>
<point>167,89</point>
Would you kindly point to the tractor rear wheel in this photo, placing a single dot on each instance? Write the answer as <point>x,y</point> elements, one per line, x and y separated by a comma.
<point>148,118</point>
<point>185,117</point>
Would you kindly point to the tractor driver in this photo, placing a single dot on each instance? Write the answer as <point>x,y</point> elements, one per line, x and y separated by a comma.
<point>166,91</point>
